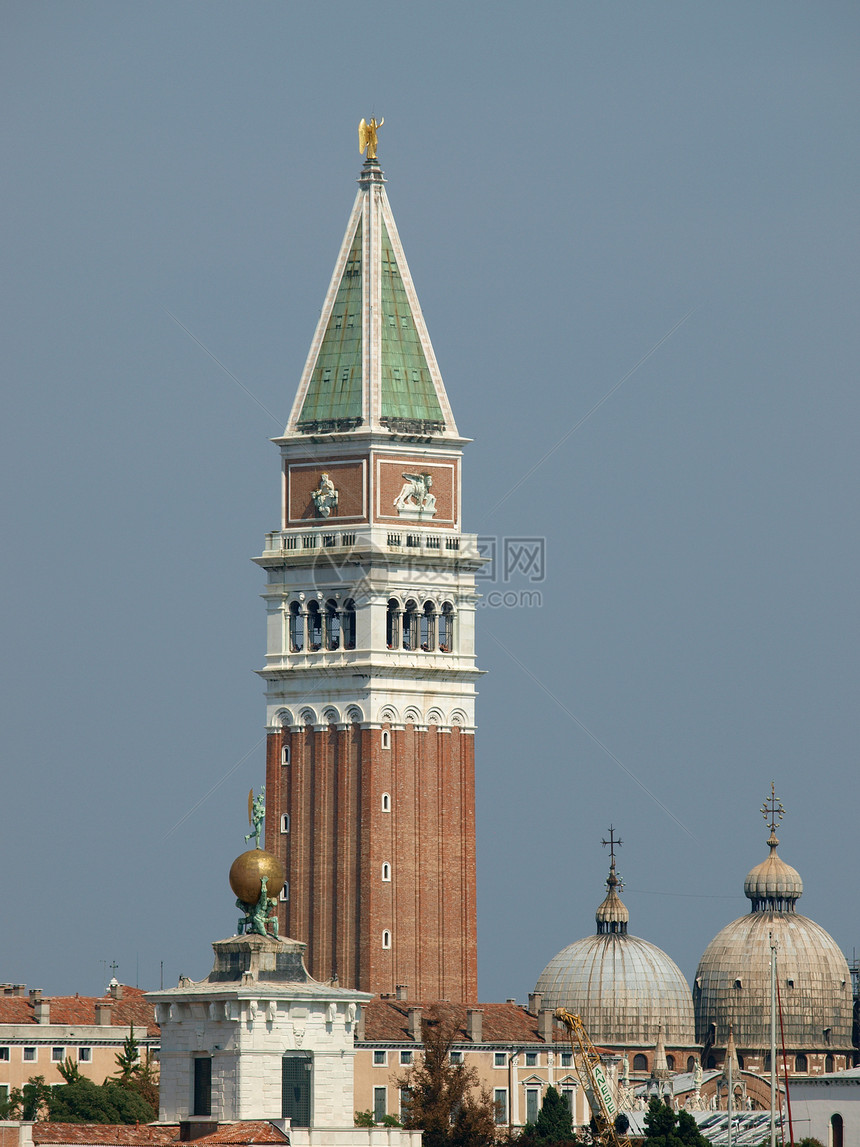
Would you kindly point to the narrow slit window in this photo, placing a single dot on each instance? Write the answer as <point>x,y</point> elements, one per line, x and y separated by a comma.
<point>285,754</point>
<point>386,739</point>
<point>386,802</point>
<point>285,822</point>
<point>386,939</point>
<point>386,872</point>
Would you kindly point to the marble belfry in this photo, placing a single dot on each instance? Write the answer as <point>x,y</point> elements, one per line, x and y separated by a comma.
<point>370,666</point>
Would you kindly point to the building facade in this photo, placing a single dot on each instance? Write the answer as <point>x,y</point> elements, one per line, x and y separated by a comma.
<point>370,667</point>
<point>39,1033</point>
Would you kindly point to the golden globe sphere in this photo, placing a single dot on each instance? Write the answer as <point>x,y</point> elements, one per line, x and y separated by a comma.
<point>247,871</point>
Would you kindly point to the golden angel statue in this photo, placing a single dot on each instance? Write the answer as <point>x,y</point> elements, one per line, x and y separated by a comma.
<point>367,136</point>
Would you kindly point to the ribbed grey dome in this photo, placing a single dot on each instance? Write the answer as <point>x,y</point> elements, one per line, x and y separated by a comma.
<point>732,985</point>
<point>625,989</point>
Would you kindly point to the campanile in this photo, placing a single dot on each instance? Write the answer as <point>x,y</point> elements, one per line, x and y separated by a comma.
<point>370,664</point>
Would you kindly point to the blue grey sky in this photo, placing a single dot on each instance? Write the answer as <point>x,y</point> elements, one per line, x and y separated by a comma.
<point>571,182</point>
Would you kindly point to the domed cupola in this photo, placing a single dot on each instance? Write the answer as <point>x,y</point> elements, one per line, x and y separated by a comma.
<point>732,987</point>
<point>624,988</point>
<point>773,885</point>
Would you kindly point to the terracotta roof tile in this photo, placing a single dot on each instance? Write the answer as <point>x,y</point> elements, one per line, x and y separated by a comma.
<point>250,1131</point>
<point>68,1010</point>
<point>387,1021</point>
<point>109,1134</point>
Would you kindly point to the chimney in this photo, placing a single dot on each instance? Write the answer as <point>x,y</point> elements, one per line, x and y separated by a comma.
<point>401,992</point>
<point>511,1000</point>
<point>103,1012</point>
<point>42,1008</point>
<point>20,990</point>
<point>115,990</point>
<point>415,1024</point>
<point>545,1024</point>
<point>474,1024</point>
<point>535,1001</point>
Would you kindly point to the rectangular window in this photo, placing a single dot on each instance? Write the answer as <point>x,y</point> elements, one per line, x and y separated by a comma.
<point>499,1059</point>
<point>29,1055</point>
<point>500,1102</point>
<point>4,1054</point>
<point>405,1097</point>
<point>567,1059</point>
<point>379,1099</point>
<point>379,1059</point>
<point>567,1096</point>
<point>4,1092</point>
<point>531,1059</point>
<point>456,1057</point>
<point>85,1054</point>
<point>532,1097</point>
<point>406,1057</point>
<point>202,1085</point>
<point>58,1054</point>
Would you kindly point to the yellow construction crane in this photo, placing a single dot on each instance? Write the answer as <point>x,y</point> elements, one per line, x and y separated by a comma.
<point>593,1079</point>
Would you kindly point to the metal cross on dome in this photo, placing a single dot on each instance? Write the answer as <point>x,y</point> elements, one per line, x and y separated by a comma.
<point>772,810</point>
<point>611,843</point>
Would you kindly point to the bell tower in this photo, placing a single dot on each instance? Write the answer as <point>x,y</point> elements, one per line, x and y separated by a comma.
<point>370,665</point>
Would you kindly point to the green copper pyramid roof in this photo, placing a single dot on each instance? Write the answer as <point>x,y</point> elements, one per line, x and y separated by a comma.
<point>335,386</point>
<point>371,364</point>
<point>407,389</point>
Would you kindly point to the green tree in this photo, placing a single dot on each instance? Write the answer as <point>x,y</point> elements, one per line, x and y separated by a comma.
<point>88,1102</point>
<point>69,1070</point>
<point>127,1060</point>
<point>445,1101</point>
<point>29,1102</point>
<point>665,1128</point>
<point>555,1121</point>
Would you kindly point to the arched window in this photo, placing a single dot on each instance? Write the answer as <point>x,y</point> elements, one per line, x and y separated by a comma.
<point>640,1062</point>
<point>801,1064</point>
<point>670,1062</point>
<point>386,939</point>
<point>691,1063</point>
<point>411,626</point>
<point>285,822</point>
<point>392,624</point>
<point>740,1061</point>
<point>446,628</point>
<point>297,628</point>
<point>314,628</point>
<point>285,754</point>
<point>386,802</point>
<point>332,625</point>
<point>386,872</point>
<point>347,624</point>
<point>836,1131</point>
<point>386,739</point>
<point>428,627</point>
<point>828,1063</point>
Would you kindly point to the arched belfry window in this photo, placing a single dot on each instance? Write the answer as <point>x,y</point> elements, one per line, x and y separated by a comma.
<point>392,624</point>
<point>446,628</point>
<point>347,624</point>
<point>297,628</point>
<point>314,627</point>
<point>428,627</point>
<point>411,622</point>
<point>332,625</point>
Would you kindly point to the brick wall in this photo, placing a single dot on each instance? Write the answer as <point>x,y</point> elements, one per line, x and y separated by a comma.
<point>340,837</point>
